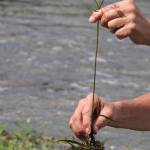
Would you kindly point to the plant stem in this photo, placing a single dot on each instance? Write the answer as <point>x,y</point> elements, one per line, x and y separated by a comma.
<point>92,137</point>
<point>97,3</point>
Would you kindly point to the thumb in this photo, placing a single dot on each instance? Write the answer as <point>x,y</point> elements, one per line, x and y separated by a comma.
<point>100,123</point>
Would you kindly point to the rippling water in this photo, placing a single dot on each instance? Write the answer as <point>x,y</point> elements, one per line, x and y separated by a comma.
<point>46,64</point>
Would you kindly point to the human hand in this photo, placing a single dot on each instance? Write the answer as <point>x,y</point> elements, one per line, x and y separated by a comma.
<point>82,121</point>
<point>124,19</point>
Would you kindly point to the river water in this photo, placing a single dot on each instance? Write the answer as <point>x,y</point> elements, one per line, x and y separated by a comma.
<point>47,51</point>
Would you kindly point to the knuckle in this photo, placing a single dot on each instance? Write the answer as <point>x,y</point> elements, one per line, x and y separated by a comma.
<point>132,28</point>
<point>90,96</point>
<point>111,26</point>
<point>131,8</point>
<point>96,97</point>
<point>133,17</point>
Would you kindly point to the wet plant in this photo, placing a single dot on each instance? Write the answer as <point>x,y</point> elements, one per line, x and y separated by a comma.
<point>90,143</point>
<point>75,145</point>
<point>92,137</point>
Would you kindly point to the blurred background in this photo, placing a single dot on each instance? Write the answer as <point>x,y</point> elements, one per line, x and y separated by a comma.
<point>47,50</point>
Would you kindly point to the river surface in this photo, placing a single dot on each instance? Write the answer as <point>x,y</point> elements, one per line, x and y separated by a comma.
<point>47,51</point>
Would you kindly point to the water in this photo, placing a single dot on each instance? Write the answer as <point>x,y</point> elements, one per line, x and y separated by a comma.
<point>47,51</point>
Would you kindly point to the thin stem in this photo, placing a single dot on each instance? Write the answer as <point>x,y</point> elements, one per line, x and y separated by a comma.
<point>95,64</point>
<point>108,118</point>
<point>92,137</point>
<point>97,3</point>
<point>101,3</point>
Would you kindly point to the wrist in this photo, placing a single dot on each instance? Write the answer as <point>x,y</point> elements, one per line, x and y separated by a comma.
<point>117,109</point>
<point>126,114</point>
<point>117,114</point>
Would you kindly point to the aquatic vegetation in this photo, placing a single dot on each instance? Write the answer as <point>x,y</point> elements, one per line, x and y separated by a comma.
<point>75,145</point>
<point>25,140</point>
<point>90,143</point>
<point>92,138</point>
<point>29,140</point>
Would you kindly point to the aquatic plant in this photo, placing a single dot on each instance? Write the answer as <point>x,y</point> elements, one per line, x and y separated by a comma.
<point>90,143</point>
<point>75,145</point>
<point>25,140</point>
<point>92,138</point>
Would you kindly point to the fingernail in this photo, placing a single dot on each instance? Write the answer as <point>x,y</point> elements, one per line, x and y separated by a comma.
<point>87,130</point>
<point>91,19</point>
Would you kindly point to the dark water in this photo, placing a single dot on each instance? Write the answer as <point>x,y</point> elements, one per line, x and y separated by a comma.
<point>46,64</point>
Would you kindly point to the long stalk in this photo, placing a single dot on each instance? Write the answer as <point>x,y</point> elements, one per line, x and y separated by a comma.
<point>92,137</point>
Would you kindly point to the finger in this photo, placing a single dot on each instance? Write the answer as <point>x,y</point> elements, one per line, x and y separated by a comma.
<point>75,124</point>
<point>125,31</point>
<point>100,123</point>
<point>76,120</point>
<point>110,15</point>
<point>96,15</point>
<point>89,113</point>
<point>96,101</point>
<point>117,23</point>
<point>87,116</point>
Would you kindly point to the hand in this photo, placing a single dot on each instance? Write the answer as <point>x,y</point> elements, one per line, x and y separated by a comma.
<point>124,20</point>
<point>81,121</point>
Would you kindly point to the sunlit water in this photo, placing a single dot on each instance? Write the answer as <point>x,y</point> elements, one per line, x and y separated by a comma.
<point>47,51</point>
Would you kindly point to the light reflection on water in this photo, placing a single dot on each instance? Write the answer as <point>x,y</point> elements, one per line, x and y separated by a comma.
<point>46,65</point>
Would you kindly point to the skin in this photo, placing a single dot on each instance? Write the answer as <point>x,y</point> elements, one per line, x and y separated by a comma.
<point>124,19</point>
<point>130,114</point>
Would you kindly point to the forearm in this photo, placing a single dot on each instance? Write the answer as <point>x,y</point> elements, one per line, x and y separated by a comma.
<point>132,114</point>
